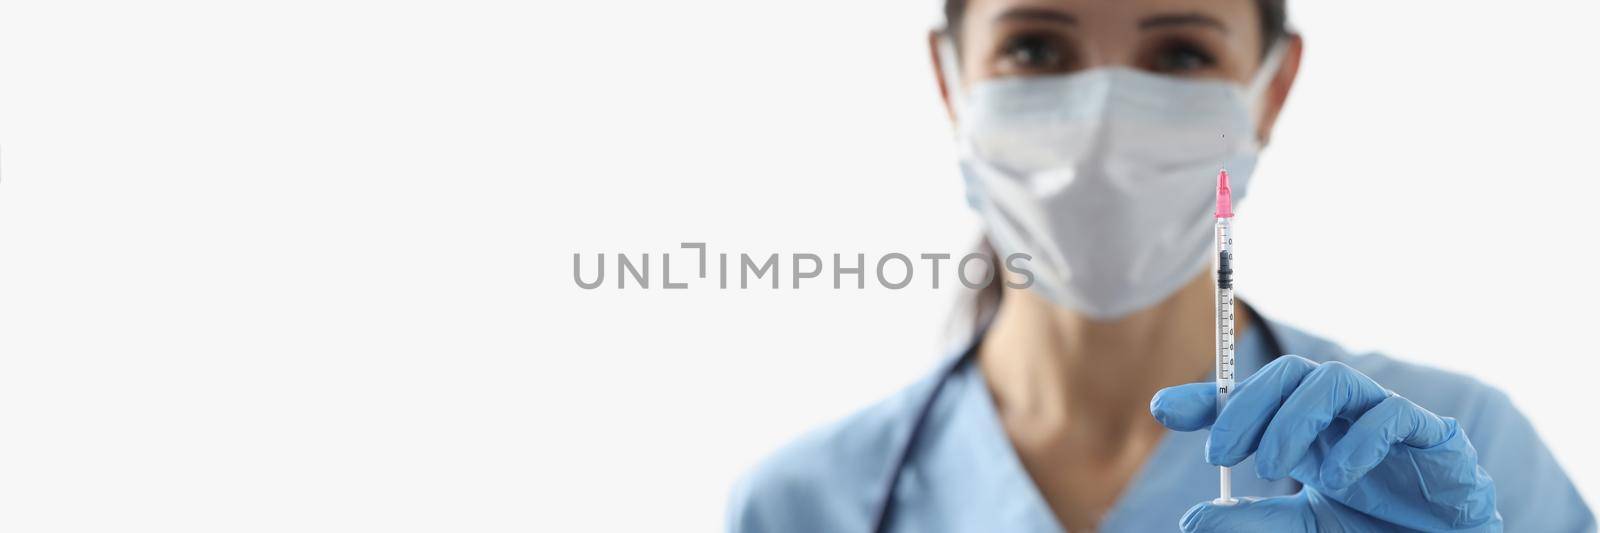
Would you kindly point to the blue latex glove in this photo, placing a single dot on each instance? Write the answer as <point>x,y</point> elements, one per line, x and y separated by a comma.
<point>1369,459</point>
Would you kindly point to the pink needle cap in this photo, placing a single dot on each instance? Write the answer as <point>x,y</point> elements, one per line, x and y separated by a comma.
<point>1224,195</point>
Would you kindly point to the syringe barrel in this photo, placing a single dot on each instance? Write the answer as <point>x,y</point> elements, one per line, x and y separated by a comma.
<point>1224,309</point>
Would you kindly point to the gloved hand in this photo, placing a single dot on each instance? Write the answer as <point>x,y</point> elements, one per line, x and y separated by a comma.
<point>1369,460</point>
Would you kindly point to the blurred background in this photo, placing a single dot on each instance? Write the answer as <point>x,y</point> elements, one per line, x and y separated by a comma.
<point>308,265</point>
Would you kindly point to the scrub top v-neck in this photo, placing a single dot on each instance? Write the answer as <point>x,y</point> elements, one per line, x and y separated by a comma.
<point>963,474</point>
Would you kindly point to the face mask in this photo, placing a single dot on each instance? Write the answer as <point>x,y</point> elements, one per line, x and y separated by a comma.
<point>1105,177</point>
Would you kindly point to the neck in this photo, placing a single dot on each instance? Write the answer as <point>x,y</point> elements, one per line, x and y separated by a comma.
<point>1052,365</point>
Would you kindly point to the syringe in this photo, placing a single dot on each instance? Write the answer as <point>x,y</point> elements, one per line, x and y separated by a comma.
<point>1224,280</point>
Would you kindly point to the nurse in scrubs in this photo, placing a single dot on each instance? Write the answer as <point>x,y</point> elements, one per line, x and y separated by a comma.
<point>1089,133</point>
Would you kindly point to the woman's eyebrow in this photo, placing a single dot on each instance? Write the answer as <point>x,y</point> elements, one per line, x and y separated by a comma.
<point>1037,14</point>
<point>1182,19</point>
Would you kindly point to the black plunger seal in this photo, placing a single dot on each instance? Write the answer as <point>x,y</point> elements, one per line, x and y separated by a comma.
<point>1225,270</point>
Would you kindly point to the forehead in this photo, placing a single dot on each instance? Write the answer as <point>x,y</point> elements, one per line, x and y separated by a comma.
<point>1241,16</point>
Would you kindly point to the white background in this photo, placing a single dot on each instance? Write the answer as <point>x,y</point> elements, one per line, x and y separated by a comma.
<point>308,265</point>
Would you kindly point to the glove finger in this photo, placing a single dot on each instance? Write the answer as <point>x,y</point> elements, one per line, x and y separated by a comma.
<point>1237,429</point>
<point>1426,459</point>
<point>1331,390</point>
<point>1185,407</point>
<point>1286,514</point>
<point>1393,421</point>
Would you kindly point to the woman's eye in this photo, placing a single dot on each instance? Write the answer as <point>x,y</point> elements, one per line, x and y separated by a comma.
<point>1032,53</point>
<point>1182,58</point>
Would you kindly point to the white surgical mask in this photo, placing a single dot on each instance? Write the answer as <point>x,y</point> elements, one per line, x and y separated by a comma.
<point>1105,177</point>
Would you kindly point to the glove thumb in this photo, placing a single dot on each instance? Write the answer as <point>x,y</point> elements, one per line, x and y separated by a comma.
<point>1286,514</point>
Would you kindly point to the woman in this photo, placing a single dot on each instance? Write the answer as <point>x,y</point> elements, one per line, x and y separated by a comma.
<point>1090,132</point>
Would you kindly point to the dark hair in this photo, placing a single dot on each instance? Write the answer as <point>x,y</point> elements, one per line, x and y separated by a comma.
<point>1274,19</point>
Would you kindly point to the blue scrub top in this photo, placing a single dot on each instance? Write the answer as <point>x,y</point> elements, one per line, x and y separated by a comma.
<point>963,475</point>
